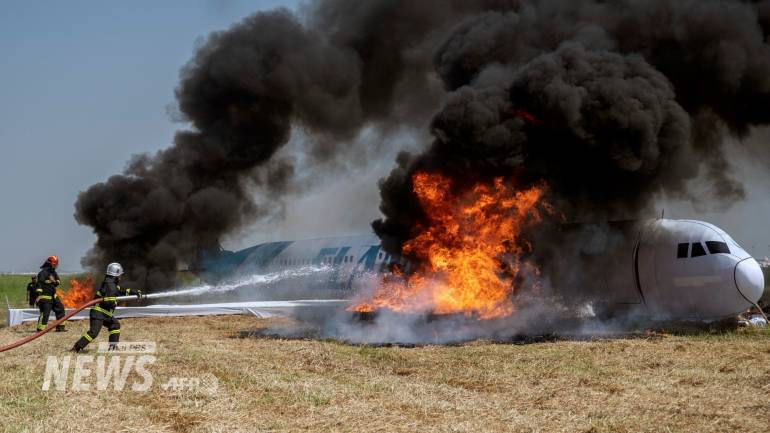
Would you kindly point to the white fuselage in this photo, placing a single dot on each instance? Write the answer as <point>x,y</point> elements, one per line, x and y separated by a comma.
<point>664,269</point>
<point>693,269</point>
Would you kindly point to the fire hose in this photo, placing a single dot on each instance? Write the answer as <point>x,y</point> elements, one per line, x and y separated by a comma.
<point>53,325</point>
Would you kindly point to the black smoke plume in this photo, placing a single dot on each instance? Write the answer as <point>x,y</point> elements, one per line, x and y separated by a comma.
<point>345,65</point>
<point>610,102</point>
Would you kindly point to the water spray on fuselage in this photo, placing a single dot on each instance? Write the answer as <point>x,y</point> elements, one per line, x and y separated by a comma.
<point>243,282</point>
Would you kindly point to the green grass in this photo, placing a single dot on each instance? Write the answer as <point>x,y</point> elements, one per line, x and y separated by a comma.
<point>14,287</point>
<point>13,290</point>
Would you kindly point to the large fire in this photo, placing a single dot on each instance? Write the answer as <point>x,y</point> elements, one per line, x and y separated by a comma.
<point>471,250</point>
<point>80,291</point>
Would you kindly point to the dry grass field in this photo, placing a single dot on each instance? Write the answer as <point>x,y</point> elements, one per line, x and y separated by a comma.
<point>696,383</point>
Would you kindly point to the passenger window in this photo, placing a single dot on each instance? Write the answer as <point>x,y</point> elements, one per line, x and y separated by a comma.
<point>697,250</point>
<point>716,247</point>
<point>681,250</point>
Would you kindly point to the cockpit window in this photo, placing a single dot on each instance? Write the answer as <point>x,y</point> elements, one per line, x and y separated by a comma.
<point>697,250</point>
<point>716,247</point>
<point>681,250</point>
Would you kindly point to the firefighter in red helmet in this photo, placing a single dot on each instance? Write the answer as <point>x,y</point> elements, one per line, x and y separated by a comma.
<point>47,299</point>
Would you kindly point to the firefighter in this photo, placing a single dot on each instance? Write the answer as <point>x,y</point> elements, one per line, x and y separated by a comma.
<point>32,291</point>
<point>102,314</point>
<point>46,297</point>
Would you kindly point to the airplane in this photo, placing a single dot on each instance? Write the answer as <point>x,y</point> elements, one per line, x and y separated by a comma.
<point>660,268</point>
<point>338,262</point>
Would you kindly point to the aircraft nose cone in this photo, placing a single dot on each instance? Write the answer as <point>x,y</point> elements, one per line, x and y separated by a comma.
<point>749,279</point>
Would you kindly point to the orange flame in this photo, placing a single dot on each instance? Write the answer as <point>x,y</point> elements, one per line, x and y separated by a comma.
<point>471,251</point>
<point>80,291</point>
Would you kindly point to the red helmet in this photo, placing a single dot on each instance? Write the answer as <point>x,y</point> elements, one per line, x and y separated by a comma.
<point>53,260</point>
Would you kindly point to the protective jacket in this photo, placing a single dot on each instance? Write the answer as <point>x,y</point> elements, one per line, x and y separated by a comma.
<point>47,282</point>
<point>110,290</point>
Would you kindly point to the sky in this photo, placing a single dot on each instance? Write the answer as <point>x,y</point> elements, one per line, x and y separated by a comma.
<point>83,86</point>
<point>86,85</point>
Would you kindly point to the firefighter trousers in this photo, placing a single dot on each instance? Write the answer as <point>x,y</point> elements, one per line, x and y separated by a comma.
<point>45,306</point>
<point>97,320</point>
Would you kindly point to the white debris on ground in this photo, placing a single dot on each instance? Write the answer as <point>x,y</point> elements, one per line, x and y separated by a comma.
<point>754,320</point>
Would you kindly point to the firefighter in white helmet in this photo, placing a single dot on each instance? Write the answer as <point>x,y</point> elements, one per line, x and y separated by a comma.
<point>102,314</point>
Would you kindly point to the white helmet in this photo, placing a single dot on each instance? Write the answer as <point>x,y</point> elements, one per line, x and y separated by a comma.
<point>114,270</point>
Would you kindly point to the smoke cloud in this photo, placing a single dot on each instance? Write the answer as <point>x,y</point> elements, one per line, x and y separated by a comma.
<point>347,65</point>
<point>610,103</point>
